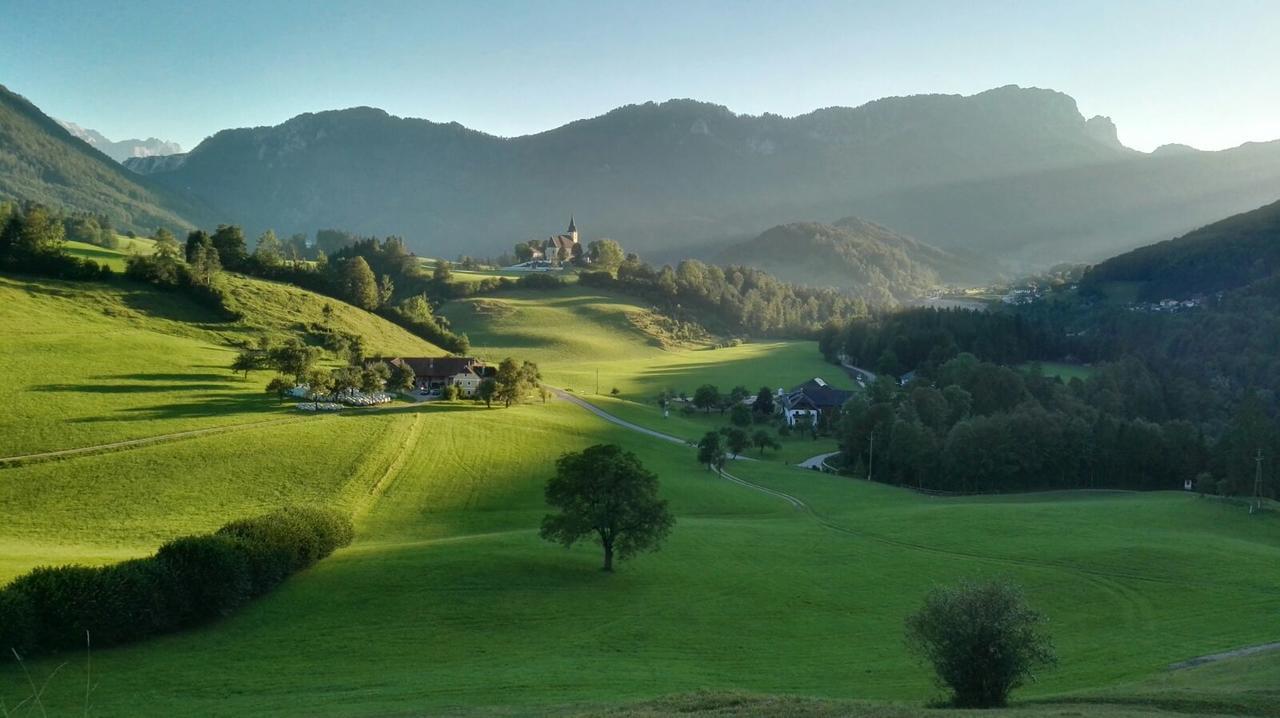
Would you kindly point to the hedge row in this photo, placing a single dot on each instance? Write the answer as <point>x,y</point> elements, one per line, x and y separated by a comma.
<point>189,581</point>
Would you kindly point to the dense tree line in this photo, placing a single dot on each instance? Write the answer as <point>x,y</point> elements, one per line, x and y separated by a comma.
<point>187,582</point>
<point>33,241</point>
<point>1221,256</point>
<point>974,426</point>
<point>380,276</point>
<point>914,339</point>
<point>730,300</point>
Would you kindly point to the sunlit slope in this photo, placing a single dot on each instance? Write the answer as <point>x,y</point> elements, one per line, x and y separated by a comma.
<point>578,333</point>
<point>575,332</point>
<point>123,504</point>
<point>449,601</point>
<point>92,363</point>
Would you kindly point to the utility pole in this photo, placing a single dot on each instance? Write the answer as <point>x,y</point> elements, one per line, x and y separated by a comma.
<point>1257,484</point>
<point>871,455</point>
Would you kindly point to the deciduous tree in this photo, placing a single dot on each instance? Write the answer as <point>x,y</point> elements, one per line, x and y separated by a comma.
<point>606,492</point>
<point>982,639</point>
<point>711,451</point>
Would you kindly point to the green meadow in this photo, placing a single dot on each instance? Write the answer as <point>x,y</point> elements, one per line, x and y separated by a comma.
<point>448,602</point>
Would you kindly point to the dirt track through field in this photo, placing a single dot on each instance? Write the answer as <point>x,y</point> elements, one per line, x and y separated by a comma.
<point>7,461</point>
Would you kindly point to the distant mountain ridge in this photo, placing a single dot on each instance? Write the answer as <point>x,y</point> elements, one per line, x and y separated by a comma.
<point>866,258</point>
<point>41,161</point>
<point>123,149</point>
<point>1225,255</point>
<point>1018,173</point>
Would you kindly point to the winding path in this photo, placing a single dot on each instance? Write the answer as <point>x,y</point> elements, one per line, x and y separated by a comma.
<point>613,419</point>
<point>144,441</point>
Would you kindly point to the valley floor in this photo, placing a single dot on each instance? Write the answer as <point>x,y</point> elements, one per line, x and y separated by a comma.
<point>449,603</point>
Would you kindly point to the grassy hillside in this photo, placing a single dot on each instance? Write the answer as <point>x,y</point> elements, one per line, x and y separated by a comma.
<point>87,364</point>
<point>448,602</point>
<point>41,161</point>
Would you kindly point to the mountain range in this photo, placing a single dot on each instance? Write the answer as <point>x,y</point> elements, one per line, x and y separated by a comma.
<point>1014,172</point>
<point>124,149</point>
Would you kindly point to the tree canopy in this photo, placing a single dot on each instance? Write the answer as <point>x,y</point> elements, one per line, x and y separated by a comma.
<point>605,492</point>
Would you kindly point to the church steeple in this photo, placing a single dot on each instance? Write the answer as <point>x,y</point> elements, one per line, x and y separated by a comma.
<point>573,230</point>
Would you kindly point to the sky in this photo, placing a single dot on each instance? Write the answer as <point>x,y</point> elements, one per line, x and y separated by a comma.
<point>1202,73</point>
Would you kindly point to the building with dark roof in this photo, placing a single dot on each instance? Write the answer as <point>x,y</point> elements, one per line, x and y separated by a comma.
<point>806,402</point>
<point>435,373</point>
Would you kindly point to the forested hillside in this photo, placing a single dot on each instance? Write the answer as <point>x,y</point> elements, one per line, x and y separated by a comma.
<point>40,161</point>
<point>1014,171</point>
<point>873,261</point>
<point>1224,255</point>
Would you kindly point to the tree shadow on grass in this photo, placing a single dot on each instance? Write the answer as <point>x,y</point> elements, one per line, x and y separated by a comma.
<point>171,305</point>
<point>225,376</point>
<point>199,407</point>
<point>125,388</point>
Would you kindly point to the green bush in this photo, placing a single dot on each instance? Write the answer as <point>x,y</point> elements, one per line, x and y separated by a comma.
<point>982,639</point>
<point>208,577</point>
<point>188,581</point>
<point>17,621</point>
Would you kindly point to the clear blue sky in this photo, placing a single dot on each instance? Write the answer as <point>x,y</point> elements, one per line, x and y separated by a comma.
<point>1202,73</point>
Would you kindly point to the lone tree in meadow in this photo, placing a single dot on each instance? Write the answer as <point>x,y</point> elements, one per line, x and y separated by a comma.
<point>982,639</point>
<point>605,491</point>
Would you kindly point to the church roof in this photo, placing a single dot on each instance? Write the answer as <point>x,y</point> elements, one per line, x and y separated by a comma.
<point>561,241</point>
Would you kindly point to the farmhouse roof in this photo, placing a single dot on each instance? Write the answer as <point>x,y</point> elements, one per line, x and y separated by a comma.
<point>439,366</point>
<point>818,393</point>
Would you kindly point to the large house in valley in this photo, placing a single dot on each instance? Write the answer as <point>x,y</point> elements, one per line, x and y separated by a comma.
<point>806,402</point>
<point>550,249</point>
<point>435,373</point>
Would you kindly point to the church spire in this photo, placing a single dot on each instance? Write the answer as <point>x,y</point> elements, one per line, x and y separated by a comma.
<point>572,227</point>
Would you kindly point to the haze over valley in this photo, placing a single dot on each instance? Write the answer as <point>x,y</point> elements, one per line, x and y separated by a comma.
<point>916,362</point>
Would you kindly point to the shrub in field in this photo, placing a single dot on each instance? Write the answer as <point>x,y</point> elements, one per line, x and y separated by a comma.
<point>206,577</point>
<point>189,581</point>
<point>982,639</point>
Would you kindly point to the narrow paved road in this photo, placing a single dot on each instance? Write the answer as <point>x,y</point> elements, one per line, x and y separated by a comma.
<point>613,419</point>
<point>675,440</point>
<point>857,372</point>
<point>815,462</point>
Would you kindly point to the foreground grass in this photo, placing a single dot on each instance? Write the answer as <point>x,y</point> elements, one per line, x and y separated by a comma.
<point>448,602</point>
